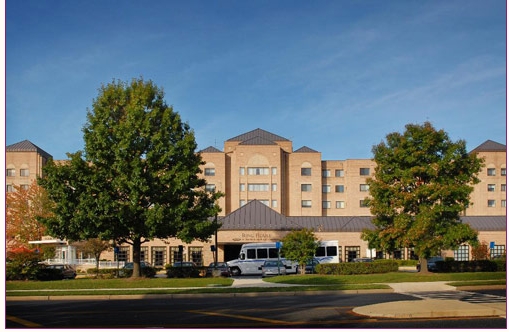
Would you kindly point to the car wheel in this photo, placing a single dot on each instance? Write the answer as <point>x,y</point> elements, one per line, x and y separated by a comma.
<point>235,271</point>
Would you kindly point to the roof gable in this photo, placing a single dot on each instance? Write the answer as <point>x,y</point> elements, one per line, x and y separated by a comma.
<point>257,133</point>
<point>26,146</point>
<point>305,149</point>
<point>210,149</point>
<point>490,146</point>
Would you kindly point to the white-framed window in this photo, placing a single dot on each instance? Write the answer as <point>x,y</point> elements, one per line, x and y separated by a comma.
<point>274,170</point>
<point>305,187</point>
<point>492,172</point>
<point>242,187</point>
<point>306,171</point>
<point>326,188</point>
<point>264,202</point>
<point>340,188</point>
<point>461,254</point>
<point>491,203</point>
<point>306,203</point>
<point>491,187</point>
<point>24,172</point>
<point>210,188</point>
<point>325,204</point>
<point>242,170</point>
<point>274,203</point>
<point>503,203</point>
<point>503,171</point>
<point>340,204</point>
<point>340,173</point>
<point>10,188</point>
<point>364,171</point>
<point>326,173</point>
<point>210,171</point>
<point>274,187</point>
<point>10,172</point>
<point>258,187</point>
<point>257,171</point>
<point>364,187</point>
<point>502,187</point>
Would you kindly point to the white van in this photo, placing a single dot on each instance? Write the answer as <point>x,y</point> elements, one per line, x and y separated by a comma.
<point>253,255</point>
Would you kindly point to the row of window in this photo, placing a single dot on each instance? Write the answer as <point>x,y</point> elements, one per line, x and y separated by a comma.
<point>305,171</point>
<point>492,187</point>
<point>10,187</point>
<point>328,204</point>
<point>24,172</point>
<point>493,172</point>
<point>493,203</point>
<point>159,255</point>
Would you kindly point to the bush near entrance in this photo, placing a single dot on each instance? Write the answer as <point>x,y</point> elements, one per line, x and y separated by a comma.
<point>472,266</point>
<point>380,266</point>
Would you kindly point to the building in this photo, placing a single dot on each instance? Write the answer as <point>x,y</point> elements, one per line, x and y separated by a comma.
<point>271,189</point>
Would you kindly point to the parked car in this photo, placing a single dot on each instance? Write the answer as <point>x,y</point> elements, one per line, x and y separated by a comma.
<point>183,270</point>
<point>311,265</point>
<point>184,264</point>
<point>222,267</point>
<point>273,268</point>
<point>56,272</point>
<point>363,259</point>
<point>432,266</point>
<point>130,265</point>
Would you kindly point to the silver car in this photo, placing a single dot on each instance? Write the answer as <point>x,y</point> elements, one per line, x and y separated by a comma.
<point>273,268</point>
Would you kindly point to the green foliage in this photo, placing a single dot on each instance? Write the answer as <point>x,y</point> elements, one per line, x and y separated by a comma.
<point>381,266</point>
<point>137,178</point>
<point>182,272</point>
<point>422,183</point>
<point>299,246</point>
<point>22,265</point>
<point>471,266</point>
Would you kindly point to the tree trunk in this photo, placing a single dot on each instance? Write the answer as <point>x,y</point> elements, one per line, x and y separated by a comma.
<point>424,265</point>
<point>136,258</point>
<point>97,256</point>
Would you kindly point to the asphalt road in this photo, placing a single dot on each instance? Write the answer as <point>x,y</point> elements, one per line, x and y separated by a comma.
<point>216,311</point>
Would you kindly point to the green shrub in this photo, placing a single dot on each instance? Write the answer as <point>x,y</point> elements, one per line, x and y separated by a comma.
<point>378,266</point>
<point>182,272</point>
<point>470,266</point>
<point>22,266</point>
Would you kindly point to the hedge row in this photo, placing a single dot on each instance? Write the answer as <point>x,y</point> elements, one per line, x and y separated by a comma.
<point>381,266</point>
<point>472,266</point>
<point>146,271</point>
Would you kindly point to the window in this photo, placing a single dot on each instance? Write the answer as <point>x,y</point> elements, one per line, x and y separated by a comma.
<point>24,187</point>
<point>257,171</point>
<point>352,252</point>
<point>326,173</point>
<point>123,254</point>
<point>364,187</point>
<point>241,171</point>
<point>10,188</point>
<point>242,187</point>
<point>363,203</point>
<point>491,187</point>
<point>305,171</point>
<point>264,201</point>
<point>502,203</point>
<point>326,188</point>
<point>210,171</point>
<point>258,187</point>
<point>144,254</point>
<point>492,172</point>
<point>461,254</point>
<point>306,203</point>
<point>491,203</point>
<point>158,256</point>
<point>340,204</point>
<point>176,255</point>
<point>502,187</point>
<point>274,187</point>
<point>11,172</point>
<point>210,188</point>
<point>274,170</point>
<point>503,171</point>
<point>340,188</point>
<point>364,171</point>
<point>340,173</point>
<point>325,204</point>
<point>23,172</point>
<point>242,202</point>
<point>305,187</point>
<point>262,253</point>
<point>497,251</point>
<point>196,255</point>
<point>274,203</point>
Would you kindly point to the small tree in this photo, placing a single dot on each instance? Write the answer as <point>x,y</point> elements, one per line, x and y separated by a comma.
<point>422,183</point>
<point>480,252</point>
<point>94,247</point>
<point>300,246</point>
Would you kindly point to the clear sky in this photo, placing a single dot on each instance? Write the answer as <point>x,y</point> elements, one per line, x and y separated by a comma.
<point>336,76</point>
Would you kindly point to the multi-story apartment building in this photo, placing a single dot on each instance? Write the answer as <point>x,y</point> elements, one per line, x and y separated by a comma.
<point>271,188</point>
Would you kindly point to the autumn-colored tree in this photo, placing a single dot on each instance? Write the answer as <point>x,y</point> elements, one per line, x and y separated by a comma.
<point>480,252</point>
<point>23,208</point>
<point>94,247</point>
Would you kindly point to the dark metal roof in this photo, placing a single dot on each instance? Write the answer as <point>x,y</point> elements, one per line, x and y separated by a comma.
<point>257,216</point>
<point>304,149</point>
<point>490,146</point>
<point>257,133</point>
<point>258,141</point>
<point>211,149</point>
<point>27,146</point>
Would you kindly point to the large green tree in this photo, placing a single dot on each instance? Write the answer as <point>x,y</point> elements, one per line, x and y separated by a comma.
<point>422,183</point>
<point>300,246</point>
<point>137,178</point>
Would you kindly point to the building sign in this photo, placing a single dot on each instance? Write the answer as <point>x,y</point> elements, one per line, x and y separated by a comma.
<point>257,236</point>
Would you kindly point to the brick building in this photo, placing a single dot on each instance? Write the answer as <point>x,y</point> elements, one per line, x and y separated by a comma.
<point>271,189</point>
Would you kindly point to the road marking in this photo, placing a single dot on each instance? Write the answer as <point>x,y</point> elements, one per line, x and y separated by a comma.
<point>21,321</point>
<point>264,320</point>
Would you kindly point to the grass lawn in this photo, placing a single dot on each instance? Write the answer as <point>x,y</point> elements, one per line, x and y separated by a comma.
<point>84,286</point>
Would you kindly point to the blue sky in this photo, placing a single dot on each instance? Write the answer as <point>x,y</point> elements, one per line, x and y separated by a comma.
<point>336,76</point>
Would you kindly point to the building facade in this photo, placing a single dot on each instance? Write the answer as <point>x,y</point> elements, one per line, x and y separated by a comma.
<point>271,189</point>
